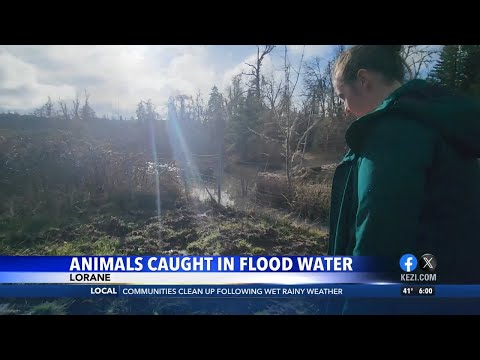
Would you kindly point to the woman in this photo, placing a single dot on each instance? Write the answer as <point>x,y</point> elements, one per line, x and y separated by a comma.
<point>410,183</point>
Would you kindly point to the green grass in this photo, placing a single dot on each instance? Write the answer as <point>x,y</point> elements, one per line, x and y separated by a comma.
<point>105,245</point>
<point>50,308</point>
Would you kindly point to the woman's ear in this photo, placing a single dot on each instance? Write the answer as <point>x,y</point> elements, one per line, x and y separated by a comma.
<point>363,77</point>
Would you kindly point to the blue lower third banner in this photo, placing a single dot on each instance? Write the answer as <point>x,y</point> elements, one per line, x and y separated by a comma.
<point>241,291</point>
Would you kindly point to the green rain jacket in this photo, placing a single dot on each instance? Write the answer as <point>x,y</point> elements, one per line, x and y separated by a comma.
<point>410,182</point>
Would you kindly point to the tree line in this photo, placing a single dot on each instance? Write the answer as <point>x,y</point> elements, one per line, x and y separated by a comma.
<point>278,118</point>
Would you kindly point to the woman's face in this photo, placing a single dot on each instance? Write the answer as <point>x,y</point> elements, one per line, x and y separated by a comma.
<point>357,96</point>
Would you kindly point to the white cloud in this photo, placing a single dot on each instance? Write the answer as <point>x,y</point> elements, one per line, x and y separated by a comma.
<point>19,85</point>
<point>114,76</point>
<point>272,65</point>
<point>117,77</point>
<point>311,50</point>
<point>240,68</point>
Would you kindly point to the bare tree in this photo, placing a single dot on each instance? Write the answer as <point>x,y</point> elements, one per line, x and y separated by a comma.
<point>255,69</point>
<point>200,112</point>
<point>419,58</point>
<point>279,96</point>
<point>47,110</point>
<point>315,80</point>
<point>76,109</point>
<point>64,109</point>
<point>317,107</point>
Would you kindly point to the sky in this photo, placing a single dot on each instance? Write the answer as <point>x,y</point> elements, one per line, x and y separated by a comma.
<point>117,77</point>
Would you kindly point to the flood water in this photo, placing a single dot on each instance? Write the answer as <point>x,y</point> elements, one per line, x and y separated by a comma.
<point>238,189</point>
<point>236,185</point>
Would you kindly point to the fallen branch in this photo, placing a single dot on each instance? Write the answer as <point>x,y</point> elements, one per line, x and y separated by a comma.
<point>211,197</point>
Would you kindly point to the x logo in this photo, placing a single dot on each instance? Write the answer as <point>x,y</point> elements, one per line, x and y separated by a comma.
<point>428,262</point>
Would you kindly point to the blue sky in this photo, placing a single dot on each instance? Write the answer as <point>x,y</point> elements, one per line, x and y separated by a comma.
<point>117,77</point>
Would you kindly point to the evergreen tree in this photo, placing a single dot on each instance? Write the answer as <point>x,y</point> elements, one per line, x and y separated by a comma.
<point>470,65</point>
<point>215,112</point>
<point>87,113</point>
<point>447,70</point>
<point>141,112</point>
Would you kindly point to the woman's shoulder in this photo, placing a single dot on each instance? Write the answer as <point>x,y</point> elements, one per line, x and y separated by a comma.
<point>389,128</point>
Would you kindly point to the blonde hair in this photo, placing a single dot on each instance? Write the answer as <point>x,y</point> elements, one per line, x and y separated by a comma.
<point>383,59</point>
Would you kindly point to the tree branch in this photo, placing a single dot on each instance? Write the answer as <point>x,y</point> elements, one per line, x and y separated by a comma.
<point>263,136</point>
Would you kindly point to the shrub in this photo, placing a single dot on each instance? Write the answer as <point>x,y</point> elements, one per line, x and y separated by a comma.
<point>312,201</point>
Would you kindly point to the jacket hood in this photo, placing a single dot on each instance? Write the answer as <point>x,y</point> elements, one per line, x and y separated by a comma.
<point>455,117</point>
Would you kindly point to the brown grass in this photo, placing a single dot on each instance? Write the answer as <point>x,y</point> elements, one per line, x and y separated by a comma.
<point>58,171</point>
<point>307,199</point>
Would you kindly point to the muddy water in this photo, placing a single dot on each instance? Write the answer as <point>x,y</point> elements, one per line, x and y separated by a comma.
<point>236,186</point>
<point>238,191</point>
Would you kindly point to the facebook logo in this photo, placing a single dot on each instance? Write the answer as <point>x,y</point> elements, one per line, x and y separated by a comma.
<point>408,262</point>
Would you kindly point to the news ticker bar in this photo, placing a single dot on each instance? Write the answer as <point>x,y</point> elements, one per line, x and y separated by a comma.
<point>241,291</point>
